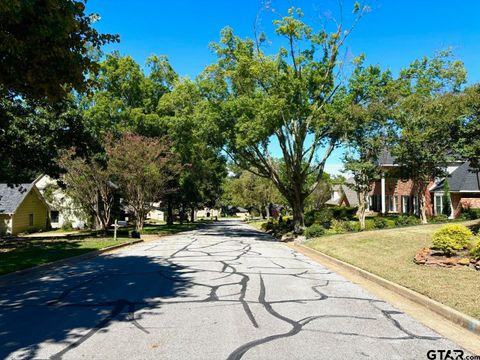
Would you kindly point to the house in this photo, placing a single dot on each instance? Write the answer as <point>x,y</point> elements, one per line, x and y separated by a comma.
<point>343,195</point>
<point>156,213</point>
<point>63,211</point>
<point>22,209</point>
<point>393,195</point>
<point>207,213</point>
<point>464,184</point>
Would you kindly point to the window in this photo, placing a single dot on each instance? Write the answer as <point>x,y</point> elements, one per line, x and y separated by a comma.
<point>438,204</point>
<point>30,219</point>
<point>405,204</point>
<point>54,215</point>
<point>392,203</point>
<point>416,205</point>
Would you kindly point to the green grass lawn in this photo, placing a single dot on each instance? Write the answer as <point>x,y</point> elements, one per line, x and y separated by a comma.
<point>389,254</point>
<point>20,255</point>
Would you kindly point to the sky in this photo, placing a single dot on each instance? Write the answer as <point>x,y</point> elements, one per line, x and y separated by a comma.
<point>392,34</point>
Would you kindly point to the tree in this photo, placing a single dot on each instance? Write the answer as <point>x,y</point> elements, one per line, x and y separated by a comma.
<point>321,193</point>
<point>126,99</point>
<point>287,97</point>
<point>46,52</point>
<point>142,168</point>
<point>469,139</point>
<point>446,202</point>
<point>252,192</point>
<point>369,104</point>
<point>88,184</point>
<point>428,119</point>
<point>32,137</point>
<point>182,112</point>
<point>45,48</point>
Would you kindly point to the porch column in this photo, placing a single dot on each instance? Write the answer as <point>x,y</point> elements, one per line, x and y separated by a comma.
<point>383,193</point>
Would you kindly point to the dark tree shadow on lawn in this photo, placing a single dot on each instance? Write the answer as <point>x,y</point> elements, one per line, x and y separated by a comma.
<point>71,303</point>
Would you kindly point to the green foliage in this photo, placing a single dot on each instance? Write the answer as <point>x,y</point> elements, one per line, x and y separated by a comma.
<point>250,191</point>
<point>323,217</point>
<point>475,251</point>
<point>447,209</point>
<point>428,117</point>
<point>67,226</point>
<point>32,138</point>
<point>370,224</point>
<point>287,96</point>
<point>339,226</point>
<point>344,212</point>
<point>471,214</point>
<point>383,223</point>
<point>451,238</point>
<point>46,48</point>
<point>314,230</point>
<point>404,220</point>
<point>441,218</point>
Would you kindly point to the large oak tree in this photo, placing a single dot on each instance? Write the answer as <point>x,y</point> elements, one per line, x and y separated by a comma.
<point>286,97</point>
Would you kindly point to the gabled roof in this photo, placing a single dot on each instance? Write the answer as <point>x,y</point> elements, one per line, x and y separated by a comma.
<point>386,159</point>
<point>350,195</point>
<point>462,179</point>
<point>12,196</point>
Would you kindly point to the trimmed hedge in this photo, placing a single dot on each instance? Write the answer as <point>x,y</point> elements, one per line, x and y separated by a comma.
<point>313,231</point>
<point>451,238</point>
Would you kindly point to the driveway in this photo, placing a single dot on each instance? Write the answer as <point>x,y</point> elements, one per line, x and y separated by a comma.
<point>222,292</point>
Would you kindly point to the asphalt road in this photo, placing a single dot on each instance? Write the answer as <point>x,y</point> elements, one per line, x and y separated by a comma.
<point>222,292</point>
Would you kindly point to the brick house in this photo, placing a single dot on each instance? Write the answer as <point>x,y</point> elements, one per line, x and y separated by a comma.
<point>392,195</point>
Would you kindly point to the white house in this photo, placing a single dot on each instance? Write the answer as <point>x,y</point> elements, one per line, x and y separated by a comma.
<point>63,211</point>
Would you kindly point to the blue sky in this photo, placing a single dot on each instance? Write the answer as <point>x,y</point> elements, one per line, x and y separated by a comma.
<point>392,34</point>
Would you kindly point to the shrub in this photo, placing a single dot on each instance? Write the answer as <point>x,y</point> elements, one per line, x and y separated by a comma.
<point>313,231</point>
<point>451,238</point>
<point>380,222</point>
<point>322,216</point>
<point>369,224</point>
<point>67,226</point>
<point>404,220</point>
<point>390,223</point>
<point>267,225</point>
<point>471,214</point>
<point>339,226</point>
<point>344,213</point>
<point>441,218</point>
<point>475,252</point>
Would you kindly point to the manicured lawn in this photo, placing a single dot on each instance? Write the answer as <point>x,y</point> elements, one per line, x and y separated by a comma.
<point>23,254</point>
<point>389,254</point>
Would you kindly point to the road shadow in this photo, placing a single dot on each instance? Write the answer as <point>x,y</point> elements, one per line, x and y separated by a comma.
<point>232,229</point>
<point>70,304</point>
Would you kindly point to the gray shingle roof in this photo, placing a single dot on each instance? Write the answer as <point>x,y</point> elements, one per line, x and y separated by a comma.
<point>12,197</point>
<point>462,179</point>
<point>386,158</point>
<point>350,195</point>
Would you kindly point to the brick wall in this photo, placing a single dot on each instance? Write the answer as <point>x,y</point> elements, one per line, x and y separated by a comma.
<point>462,201</point>
<point>397,187</point>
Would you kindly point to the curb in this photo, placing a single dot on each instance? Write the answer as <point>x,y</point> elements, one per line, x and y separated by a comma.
<point>465,321</point>
<point>19,275</point>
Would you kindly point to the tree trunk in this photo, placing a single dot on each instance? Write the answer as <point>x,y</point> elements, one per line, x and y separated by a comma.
<point>423,208</point>
<point>169,211</point>
<point>192,215</point>
<point>267,210</point>
<point>298,218</point>
<point>362,209</point>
